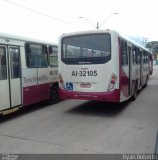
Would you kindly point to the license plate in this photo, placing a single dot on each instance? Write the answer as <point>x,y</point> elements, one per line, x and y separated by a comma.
<point>85,85</point>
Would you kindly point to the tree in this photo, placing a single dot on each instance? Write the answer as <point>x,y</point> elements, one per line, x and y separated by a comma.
<point>152,46</point>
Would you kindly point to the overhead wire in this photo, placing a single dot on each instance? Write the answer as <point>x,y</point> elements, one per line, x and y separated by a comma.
<point>38,12</point>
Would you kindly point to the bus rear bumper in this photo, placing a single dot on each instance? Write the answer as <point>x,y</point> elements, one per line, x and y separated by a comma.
<point>111,96</point>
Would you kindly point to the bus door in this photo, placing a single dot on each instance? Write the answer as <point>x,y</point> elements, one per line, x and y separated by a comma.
<point>4,85</point>
<point>130,70</point>
<point>10,85</point>
<point>14,75</point>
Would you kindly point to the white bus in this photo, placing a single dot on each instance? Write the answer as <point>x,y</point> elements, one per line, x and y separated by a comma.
<point>101,65</point>
<point>28,72</point>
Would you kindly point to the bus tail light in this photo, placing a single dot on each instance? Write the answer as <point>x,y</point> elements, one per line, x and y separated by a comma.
<point>112,82</point>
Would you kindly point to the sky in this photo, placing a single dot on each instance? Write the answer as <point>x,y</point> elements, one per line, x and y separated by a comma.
<point>48,19</point>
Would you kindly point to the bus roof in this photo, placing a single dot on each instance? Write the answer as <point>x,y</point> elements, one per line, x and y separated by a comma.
<point>24,39</point>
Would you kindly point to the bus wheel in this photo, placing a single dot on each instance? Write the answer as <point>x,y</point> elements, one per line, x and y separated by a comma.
<point>54,95</point>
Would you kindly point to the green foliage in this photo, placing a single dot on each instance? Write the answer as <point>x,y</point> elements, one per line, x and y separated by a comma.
<point>152,46</point>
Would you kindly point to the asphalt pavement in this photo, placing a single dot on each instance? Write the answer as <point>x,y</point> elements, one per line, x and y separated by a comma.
<point>76,126</point>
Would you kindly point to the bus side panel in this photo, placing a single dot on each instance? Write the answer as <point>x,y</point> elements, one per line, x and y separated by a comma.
<point>37,83</point>
<point>35,89</point>
<point>46,78</point>
<point>38,92</point>
<point>30,95</point>
<point>43,91</point>
<point>43,84</point>
<point>29,83</point>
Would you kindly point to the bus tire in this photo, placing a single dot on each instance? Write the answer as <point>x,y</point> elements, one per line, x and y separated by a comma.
<point>54,95</point>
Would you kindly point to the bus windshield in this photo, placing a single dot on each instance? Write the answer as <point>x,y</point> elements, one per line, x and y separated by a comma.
<point>86,49</point>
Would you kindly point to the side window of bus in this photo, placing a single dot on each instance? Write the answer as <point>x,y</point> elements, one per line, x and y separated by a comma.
<point>36,55</point>
<point>3,66</point>
<point>53,56</point>
<point>124,55</point>
<point>14,62</point>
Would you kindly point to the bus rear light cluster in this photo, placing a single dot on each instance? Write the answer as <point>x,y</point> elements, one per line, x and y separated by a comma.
<point>112,82</point>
